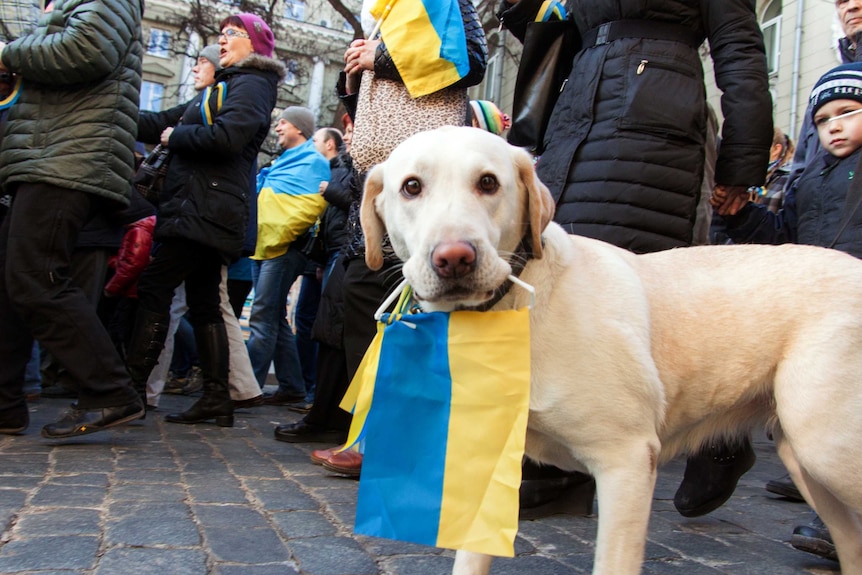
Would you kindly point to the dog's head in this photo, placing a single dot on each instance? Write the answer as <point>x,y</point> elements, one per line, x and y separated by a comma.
<point>456,203</point>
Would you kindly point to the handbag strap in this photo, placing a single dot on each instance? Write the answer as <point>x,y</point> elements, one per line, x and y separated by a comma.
<point>853,191</point>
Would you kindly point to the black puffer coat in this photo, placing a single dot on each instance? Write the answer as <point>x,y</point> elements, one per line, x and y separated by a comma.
<point>624,152</point>
<point>206,191</point>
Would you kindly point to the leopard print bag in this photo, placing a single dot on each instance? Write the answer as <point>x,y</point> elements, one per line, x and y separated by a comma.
<point>386,115</point>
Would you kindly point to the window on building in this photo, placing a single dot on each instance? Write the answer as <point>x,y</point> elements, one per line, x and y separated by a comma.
<point>492,72</point>
<point>151,96</point>
<point>771,26</point>
<point>294,9</point>
<point>159,43</point>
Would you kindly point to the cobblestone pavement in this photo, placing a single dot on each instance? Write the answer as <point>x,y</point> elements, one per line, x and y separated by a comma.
<point>168,499</point>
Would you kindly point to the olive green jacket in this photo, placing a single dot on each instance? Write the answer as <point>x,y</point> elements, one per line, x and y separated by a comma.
<point>74,124</point>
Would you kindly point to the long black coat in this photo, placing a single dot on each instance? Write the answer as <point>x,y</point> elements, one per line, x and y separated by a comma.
<point>624,151</point>
<point>206,191</point>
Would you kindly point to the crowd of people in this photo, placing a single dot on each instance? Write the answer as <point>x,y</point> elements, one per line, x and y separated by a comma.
<point>101,279</point>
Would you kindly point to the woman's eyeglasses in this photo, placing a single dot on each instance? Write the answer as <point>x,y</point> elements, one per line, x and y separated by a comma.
<point>231,33</point>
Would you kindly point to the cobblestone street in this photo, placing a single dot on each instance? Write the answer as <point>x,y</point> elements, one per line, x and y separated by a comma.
<point>168,499</point>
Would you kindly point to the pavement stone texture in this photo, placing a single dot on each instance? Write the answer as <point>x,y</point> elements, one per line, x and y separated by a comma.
<point>170,499</point>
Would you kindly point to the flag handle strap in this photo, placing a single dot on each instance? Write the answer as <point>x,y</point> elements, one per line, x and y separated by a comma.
<point>397,292</point>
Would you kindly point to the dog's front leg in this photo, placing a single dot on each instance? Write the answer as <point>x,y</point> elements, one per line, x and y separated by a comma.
<point>625,489</point>
<point>469,563</point>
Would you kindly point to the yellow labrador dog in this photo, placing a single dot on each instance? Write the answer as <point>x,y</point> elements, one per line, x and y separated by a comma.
<point>636,358</point>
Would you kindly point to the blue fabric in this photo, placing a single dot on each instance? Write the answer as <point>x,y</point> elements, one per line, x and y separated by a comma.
<point>401,425</point>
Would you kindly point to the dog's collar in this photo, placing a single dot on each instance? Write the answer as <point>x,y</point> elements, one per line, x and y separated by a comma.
<point>522,254</point>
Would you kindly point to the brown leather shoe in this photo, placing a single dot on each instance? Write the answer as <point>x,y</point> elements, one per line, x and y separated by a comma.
<point>321,456</point>
<point>347,463</point>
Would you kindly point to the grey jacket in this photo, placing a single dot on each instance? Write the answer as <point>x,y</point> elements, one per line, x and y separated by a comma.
<point>75,122</point>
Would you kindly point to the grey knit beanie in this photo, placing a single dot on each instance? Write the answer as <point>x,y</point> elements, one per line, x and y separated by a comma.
<point>300,117</point>
<point>211,53</point>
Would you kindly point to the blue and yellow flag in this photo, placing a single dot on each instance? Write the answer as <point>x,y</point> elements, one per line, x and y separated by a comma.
<point>426,41</point>
<point>445,429</point>
<point>289,199</point>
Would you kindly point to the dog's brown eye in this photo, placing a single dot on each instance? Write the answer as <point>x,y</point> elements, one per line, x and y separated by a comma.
<point>488,184</point>
<point>411,187</point>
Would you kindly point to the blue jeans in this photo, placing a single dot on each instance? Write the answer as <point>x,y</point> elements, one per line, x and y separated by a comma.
<point>271,338</point>
<point>306,311</point>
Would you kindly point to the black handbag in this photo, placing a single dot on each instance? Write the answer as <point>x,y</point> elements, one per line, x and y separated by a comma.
<point>313,245</point>
<point>150,175</point>
<point>549,48</point>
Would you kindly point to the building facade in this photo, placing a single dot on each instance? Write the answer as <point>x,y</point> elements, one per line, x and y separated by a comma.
<point>311,37</point>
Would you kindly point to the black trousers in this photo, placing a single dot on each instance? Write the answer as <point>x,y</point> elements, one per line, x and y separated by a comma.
<point>176,261</point>
<point>39,299</point>
<point>364,290</point>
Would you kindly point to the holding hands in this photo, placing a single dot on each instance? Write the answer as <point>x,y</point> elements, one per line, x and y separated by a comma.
<point>728,200</point>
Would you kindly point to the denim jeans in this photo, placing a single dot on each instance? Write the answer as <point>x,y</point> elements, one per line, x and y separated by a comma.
<point>271,338</point>
<point>306,311</point>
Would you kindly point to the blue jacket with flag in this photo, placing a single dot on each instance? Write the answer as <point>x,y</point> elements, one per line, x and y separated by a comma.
<point>206,191</point>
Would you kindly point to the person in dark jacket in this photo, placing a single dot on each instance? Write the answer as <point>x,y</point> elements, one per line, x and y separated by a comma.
<point>203,208</point>
<point>67,156</point>
<point>624,150</point>
<point>364,290</point>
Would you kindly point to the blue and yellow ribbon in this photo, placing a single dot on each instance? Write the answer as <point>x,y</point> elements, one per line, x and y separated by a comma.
<point>13,96</point>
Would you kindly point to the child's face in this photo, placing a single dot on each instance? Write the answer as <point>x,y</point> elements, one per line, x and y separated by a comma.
<point>839,126</point>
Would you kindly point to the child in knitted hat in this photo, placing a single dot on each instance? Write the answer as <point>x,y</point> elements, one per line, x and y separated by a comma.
<point>816,210</point>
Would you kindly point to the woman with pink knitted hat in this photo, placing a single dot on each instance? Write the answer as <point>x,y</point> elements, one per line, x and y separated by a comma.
<point>204,206</point>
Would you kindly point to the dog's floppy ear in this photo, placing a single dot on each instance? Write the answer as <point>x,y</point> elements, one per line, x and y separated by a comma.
<point>540,203</point>
<point>372,224</point>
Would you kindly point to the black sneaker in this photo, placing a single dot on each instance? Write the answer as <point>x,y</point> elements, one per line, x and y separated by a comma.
<point>784,487</point>
<point>79,421</point>
<point>58,391</point>
<point>15,421</point>
<point>814,538</point>
<point>711,477</point>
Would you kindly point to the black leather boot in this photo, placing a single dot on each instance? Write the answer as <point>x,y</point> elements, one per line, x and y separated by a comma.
<point>215,403</point>
<point>711,476</point>
<point>548,490</point>
<point>146,345</point>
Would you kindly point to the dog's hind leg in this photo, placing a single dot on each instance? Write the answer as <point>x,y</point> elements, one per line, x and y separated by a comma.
<point>844,524</point>
<point>469,563</point>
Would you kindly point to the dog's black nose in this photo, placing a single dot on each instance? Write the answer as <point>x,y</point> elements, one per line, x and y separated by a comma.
<point>453,259</point>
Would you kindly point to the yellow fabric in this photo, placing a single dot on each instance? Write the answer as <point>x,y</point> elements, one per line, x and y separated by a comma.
<point>357,398</point>
<point>489,361</point>
<point>281,218</point>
